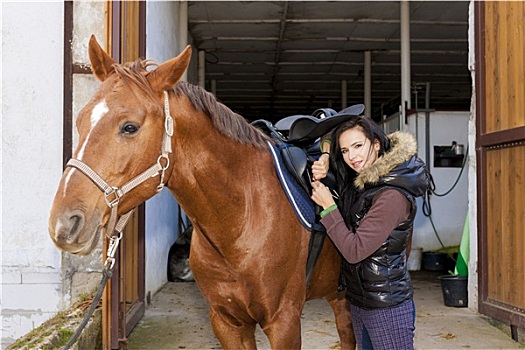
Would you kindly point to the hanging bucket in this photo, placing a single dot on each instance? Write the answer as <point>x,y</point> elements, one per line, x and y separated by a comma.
<point>433,261</point>
<point>454,290</point>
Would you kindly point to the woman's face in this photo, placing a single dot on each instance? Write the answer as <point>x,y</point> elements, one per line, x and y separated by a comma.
<point>357,150</point>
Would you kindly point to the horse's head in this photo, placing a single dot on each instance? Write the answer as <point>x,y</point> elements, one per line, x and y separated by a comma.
<point>120,136</point>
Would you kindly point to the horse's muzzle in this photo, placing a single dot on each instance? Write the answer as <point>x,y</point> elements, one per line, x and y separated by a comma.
<point>70,234</point>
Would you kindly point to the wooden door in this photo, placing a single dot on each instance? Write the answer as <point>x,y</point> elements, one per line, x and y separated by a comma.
<point>124,299</point>
<point>500,150</point>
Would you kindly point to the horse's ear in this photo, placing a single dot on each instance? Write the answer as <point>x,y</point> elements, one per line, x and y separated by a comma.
<point>169,73</point>
<point>101,62</point>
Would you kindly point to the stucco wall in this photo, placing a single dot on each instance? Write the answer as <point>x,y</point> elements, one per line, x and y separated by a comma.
<point>32,75</point>
<point>81,274</point>
<point>37,279</point>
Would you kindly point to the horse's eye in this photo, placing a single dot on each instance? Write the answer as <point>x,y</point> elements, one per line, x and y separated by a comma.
<point>129,129</point>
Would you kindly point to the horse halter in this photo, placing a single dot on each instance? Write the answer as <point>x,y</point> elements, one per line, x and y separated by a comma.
<point>113,194</point>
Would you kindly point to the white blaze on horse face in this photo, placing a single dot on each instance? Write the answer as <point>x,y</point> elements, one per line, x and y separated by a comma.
<point>99,111</point>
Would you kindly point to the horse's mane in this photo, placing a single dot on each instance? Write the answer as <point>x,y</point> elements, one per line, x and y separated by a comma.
<point>224,119</point>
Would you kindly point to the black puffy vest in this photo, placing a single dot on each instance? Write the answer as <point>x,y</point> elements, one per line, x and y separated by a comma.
<point>382,280</point>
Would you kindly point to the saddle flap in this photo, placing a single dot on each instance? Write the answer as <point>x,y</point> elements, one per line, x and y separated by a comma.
<point>296,160</point>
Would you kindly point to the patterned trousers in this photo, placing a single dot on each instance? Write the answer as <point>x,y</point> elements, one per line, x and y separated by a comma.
<point>385,329</point>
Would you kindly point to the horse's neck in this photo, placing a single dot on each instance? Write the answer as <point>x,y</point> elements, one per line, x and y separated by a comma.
<point>214,178</point>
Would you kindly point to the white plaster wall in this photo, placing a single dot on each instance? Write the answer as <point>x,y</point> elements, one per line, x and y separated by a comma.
<point>472,187</point>
<point>449,212</point>
<point>162,33</point>
<point>32,75</point>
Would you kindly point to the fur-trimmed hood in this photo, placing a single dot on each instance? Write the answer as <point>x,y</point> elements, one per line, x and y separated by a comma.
<point>398,167</point>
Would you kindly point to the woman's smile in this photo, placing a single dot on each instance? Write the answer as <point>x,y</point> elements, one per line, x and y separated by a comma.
<point>355,165</point>
<point>358,151</point>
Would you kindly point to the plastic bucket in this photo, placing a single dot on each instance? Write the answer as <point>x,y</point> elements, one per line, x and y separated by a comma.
<point>454,290</point>
<point>433,261</point>
<point>450,262</point>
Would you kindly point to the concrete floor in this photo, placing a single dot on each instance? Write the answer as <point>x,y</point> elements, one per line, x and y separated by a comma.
<point>178,319</point>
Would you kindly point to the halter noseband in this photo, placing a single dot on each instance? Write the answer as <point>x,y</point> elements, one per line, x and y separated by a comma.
<point>113,194</point>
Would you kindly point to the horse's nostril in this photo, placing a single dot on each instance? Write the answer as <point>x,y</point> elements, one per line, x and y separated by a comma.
<point>76,221</point>
<point>68,229</point>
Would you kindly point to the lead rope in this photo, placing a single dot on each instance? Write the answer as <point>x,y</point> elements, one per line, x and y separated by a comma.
<point>112,196</point>
<point>106,276</point>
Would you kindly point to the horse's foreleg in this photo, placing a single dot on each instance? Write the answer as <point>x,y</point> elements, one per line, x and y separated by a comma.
<point>232,335</point>
<point>283,329</point>
<point>343,320</point>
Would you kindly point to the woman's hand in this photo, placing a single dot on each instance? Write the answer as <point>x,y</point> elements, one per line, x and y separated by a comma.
<point>322,195</point>
<point>320,167</point>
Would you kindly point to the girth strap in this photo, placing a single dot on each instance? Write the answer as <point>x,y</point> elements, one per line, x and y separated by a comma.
<point>315,245</point>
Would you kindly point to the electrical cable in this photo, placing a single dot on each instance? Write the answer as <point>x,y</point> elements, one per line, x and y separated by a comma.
<point>433,185</point>
<point>427,209</point>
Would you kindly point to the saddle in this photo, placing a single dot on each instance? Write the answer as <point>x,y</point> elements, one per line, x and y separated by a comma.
<point>297,138</point>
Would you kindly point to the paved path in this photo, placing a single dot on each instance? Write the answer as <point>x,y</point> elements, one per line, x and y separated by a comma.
<point>178,319</point>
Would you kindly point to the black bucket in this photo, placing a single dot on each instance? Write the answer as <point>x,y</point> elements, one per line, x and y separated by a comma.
<point>450,262</point>
<point>454,290</point>
<point>433,261</point>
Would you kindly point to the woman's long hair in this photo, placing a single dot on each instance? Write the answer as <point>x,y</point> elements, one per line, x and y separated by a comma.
<point>344,174</point>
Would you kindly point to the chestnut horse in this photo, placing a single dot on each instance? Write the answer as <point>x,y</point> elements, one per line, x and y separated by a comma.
<point>248,250</point>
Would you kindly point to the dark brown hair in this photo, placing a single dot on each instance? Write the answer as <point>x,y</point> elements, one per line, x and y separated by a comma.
<point>344,174</point>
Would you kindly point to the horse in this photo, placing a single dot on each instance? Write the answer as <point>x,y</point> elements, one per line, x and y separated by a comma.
<point>248,251</point>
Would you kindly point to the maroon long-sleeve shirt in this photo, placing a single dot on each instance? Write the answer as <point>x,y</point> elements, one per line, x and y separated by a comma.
<point>389,208</point>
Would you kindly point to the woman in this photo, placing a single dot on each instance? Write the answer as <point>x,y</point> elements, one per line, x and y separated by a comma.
<point>378,178</point>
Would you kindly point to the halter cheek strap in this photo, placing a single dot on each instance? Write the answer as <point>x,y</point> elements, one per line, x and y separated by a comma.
<point>113,194</point>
